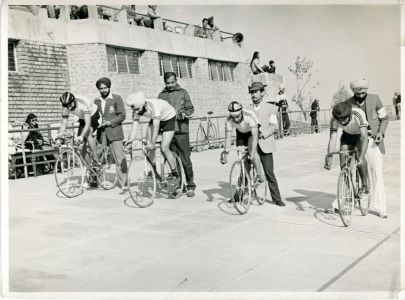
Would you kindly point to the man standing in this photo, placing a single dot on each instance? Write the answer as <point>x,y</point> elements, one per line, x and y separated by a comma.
<point>267,115</point>
<point>282,104</point>
<point>180,100</point>
<point>112,110</point>
<point>378,121</point>
<point>314,116</point>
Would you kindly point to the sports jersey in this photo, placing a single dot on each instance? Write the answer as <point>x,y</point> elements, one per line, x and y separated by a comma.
<point>84,106</point>
<point>357,121</point>
<point>249,121</point>
<point>157,109</point>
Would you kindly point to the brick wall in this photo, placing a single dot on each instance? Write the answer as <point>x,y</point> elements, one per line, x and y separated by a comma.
<point>41,77</point>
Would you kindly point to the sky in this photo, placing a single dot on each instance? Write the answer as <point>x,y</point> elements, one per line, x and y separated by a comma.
<point>345,42</point>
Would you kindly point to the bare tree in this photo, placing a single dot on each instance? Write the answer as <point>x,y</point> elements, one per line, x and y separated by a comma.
<point>341,95</point>
<point>302,70</point>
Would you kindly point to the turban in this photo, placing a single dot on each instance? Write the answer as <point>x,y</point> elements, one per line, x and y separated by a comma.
<point>358,85</point>
<point>105,81</point>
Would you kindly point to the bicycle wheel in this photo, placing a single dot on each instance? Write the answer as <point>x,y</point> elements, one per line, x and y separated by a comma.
<point>107,174</point>
<point>240,190</point>
<point>345,196</point>
<point>174,190</point>
<point>201,140</point>
<point>364,202</point>
<point>212,136</point>
<point>260,190</point>
<point>69,173</point>
<point>141,182</point>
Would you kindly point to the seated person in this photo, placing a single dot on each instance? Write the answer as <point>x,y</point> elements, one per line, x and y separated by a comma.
<point>204,31</point>
<point>86,111</point>
<point>152,16</point>
<point>163,121</point>
<point>354,124</point>
<point>133,18</point>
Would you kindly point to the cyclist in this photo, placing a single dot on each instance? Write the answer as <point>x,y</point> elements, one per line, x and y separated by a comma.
<point>86,111</point>
<point>247,134</point>
<point>163,119</point>
<point>354,137</point>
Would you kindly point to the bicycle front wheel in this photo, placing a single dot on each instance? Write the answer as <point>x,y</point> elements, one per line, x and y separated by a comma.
<point>69,173</point>
<point>345,196</point>
<point>107,175</point>
<point>240,191</point>
<point>141,182</point>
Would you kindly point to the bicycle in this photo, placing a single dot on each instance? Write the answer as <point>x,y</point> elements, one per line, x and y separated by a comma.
<point>143,179</point>
<point>71,168</point>
<point>348,188</point>
<point>241,188</point>
<point>207,138</point>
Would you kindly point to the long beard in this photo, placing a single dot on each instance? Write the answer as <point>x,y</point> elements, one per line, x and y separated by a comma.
<point>360,99</point>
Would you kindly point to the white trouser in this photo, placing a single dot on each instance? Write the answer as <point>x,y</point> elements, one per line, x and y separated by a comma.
<point>375,174</point>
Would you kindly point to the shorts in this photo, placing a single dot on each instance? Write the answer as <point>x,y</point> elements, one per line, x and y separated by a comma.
<point>93,123</point>
<point>168,125</point>
<point>242,139</point>
<point>349,139</point>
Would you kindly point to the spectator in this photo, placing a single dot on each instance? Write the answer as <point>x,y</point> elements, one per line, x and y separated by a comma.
<point>112,109</point>
<point>378,121</point>
<point>397,103</point>
<point>267,117</point>
<point>255,63</point>
<point>152,16</point>
<point>180,144</point>
<point>213,28</point>
<point>272,67</point>
<point>35,141</point>
<point>204,31</point>
<point>282,104</point>
<point>133,18</point>
<point>314,116</point>
<point>79,12</point>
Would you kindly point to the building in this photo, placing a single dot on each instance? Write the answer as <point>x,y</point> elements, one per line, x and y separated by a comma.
<point>48,56</point>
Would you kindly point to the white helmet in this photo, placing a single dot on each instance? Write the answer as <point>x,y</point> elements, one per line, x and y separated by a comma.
<point>136,100</point>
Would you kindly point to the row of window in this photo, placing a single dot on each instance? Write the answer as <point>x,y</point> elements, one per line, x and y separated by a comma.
<point>129,61</point>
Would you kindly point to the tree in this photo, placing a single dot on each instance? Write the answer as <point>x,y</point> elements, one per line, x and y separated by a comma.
<point>341,95</point>
<point>303,73</point>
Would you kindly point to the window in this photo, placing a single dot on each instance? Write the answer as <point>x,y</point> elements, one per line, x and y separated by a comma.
<point>123,60</point>
<point>11,56</point>
<point>221,71</point>
<point>182,66</point>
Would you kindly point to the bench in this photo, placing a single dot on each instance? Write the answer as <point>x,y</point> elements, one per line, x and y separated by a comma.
<point>16,161</point>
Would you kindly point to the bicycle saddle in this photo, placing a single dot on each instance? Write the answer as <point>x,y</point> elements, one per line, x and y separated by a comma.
<point>210,112</point>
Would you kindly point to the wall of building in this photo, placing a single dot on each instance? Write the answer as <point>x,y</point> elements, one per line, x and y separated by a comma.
<point>41,77</point>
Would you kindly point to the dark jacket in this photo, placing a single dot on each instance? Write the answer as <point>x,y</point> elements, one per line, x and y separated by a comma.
<point>180,100</point>
<point>114,112</point>
<point>314,109</point>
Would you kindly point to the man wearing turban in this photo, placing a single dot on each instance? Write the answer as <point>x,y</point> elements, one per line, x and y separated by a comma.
<point>378,122</point>
<point>112,109</point>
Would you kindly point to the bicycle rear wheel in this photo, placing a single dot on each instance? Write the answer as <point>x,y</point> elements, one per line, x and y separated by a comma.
<point>345,196</point>
<point>174,191</point>
<point>201,140</point>
<point>212,136</point>
<point>240,191</point>
<point>107,174</point>
<point>260,190</point>
<point>364,202</point>
<point>69,173</point>
<point>141,182</point>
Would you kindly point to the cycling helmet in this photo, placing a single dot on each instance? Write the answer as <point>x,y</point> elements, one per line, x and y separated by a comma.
<point>136,100</point>
<point>234,106</point>
<point>342,110</point>
<point>67,99</point>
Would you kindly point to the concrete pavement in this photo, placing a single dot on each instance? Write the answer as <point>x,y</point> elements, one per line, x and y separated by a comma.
<point>101,242</point>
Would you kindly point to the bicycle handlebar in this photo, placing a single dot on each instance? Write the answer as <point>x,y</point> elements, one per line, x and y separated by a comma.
<point>349,152</point>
